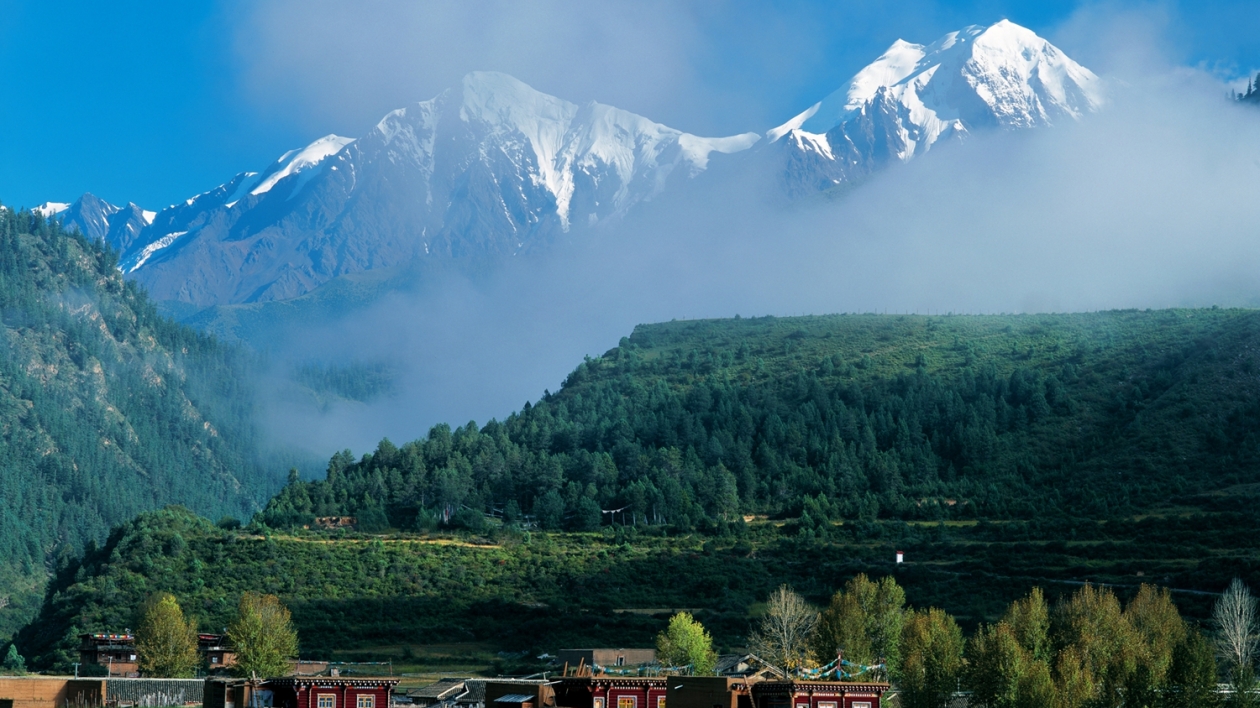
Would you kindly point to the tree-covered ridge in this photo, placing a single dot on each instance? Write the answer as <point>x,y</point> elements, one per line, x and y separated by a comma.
<point>857,417</point>
<point>106,408</point>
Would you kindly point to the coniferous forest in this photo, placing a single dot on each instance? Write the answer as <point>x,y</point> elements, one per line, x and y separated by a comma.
<point>702,464</point>
<point>698,464</point>
<point>693,424</point>
<point>106,409</point>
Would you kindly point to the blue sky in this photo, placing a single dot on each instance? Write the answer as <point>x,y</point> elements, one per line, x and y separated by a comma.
<point>154,102</point>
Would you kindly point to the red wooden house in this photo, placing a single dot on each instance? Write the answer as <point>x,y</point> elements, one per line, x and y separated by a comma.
<point>817,694</point>
<point>611,692</point>
<point>326,692</point>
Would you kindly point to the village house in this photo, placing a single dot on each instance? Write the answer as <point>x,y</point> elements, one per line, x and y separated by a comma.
<point>519,693</point>
<point>817,694</point>
<point>751,683</point>
<point>708,692</point>
<point>115,652</point>
<point>610,691</point>
<point>216,652</point>
<point>607,658</point>
<point>442,694</point>
<point>746,666</point>
<point>299,692</point>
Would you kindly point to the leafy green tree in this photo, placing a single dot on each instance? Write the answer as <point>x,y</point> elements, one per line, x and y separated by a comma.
<point>1192,675</point>
<point>1159,629</point>
<point>685,642</point>
<point>864,620</point>
<point>166,643</point>
<point>263,636</point>
<point>931,658</point>
<point>13,661</point>
<point>1029,619</point>
<point>997,666</point>
<point>1092,623</point>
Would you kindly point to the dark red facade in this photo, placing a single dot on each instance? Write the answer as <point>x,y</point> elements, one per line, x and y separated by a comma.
<point>611,692</point>
<point>324,692</point>
<point>817,694</point>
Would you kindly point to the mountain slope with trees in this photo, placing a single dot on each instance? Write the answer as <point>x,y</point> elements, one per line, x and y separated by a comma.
<point>106,409</point>
<point>703,464</point>
<point>691,424</point>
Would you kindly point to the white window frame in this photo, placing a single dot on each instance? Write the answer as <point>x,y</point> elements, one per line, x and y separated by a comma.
<point>319,700</point>
<point>634,701</point>
<point>660,702</point>
<point>863,704</point>
<point>365,700</point>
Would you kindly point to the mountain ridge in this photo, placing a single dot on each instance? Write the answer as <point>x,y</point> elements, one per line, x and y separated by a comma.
<point>493,168</point>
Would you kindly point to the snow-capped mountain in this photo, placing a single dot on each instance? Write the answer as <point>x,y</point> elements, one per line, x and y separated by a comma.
<point>493,168</point>
<point>490,168</point>
<point>97,219</point>
<point>911,97</point>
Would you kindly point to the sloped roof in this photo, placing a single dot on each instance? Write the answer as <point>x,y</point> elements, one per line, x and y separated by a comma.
<point>476,692</point>
<point>439,690</point>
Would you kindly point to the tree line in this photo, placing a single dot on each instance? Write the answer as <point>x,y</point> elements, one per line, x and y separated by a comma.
<point>1088,650</point>
<point>981,423</point>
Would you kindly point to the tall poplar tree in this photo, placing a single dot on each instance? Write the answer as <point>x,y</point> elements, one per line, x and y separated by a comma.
<point>166,643</point>
<point>263,636</point>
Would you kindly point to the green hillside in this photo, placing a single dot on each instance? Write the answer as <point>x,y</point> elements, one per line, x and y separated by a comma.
<point>998,452</point>
<point>689,424</point>
<point>106,409</point>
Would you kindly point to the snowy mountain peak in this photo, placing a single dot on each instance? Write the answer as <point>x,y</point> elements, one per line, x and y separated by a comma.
<point>302,159</point>
<point>914,95</point>
<point>48,209</point>
<point>1021,79</point>
<point>498,99</point>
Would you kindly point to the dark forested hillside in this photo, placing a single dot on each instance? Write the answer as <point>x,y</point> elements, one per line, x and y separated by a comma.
<point>690,424</point>
<point>700,464</point>
<point>106,409</point>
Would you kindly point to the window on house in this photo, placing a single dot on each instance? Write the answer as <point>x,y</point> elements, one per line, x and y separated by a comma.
<point>826,704</point>
<point>214,660</point>
<point>598,703</point>
<point>863,704</point>
<point>326,700</point>
<point>660,702</point>
<point>366,701</point>
<point>621,661</point>
<point>627,702</point>
<point>802,705</point>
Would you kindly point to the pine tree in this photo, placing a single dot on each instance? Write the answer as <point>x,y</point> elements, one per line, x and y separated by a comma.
<point>14,663</point>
